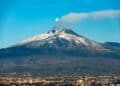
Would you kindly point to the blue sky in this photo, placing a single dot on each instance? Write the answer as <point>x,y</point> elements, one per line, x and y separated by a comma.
<point>21,19</point>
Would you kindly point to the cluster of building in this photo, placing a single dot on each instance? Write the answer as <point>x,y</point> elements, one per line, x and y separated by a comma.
<point>99,81</point>
<point>59,81</point>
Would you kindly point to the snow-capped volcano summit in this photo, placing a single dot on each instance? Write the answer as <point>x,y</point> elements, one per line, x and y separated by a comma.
<point>63,42</point>
<point>60,50</point>
<point>61,38</point>
<point>52,33</point>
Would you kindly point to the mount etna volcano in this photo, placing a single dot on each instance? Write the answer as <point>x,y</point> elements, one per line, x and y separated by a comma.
<point>61,52</point>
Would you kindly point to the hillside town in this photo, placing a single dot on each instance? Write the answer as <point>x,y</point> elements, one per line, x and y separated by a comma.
<point>30,80</point>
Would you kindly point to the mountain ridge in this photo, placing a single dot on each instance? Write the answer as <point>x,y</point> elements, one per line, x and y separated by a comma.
<point>61,51</point>
<point>65,34</point>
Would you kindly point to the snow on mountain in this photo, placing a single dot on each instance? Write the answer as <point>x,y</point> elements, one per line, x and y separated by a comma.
<point>62,37</point>
<point>58,49</point>
<point>36,38</point>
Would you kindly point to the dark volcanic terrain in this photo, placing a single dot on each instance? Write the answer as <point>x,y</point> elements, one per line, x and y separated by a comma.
<point>61,52</point>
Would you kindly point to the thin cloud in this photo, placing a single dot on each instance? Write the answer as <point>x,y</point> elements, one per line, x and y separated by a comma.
<point>73,17</point>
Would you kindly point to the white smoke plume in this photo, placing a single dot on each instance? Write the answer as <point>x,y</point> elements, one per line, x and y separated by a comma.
<point>67,20</point>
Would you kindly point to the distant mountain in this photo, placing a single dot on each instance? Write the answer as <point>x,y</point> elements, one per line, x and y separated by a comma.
<point>63,42</point>
<point>61,51</point>
<point>112,45</point>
